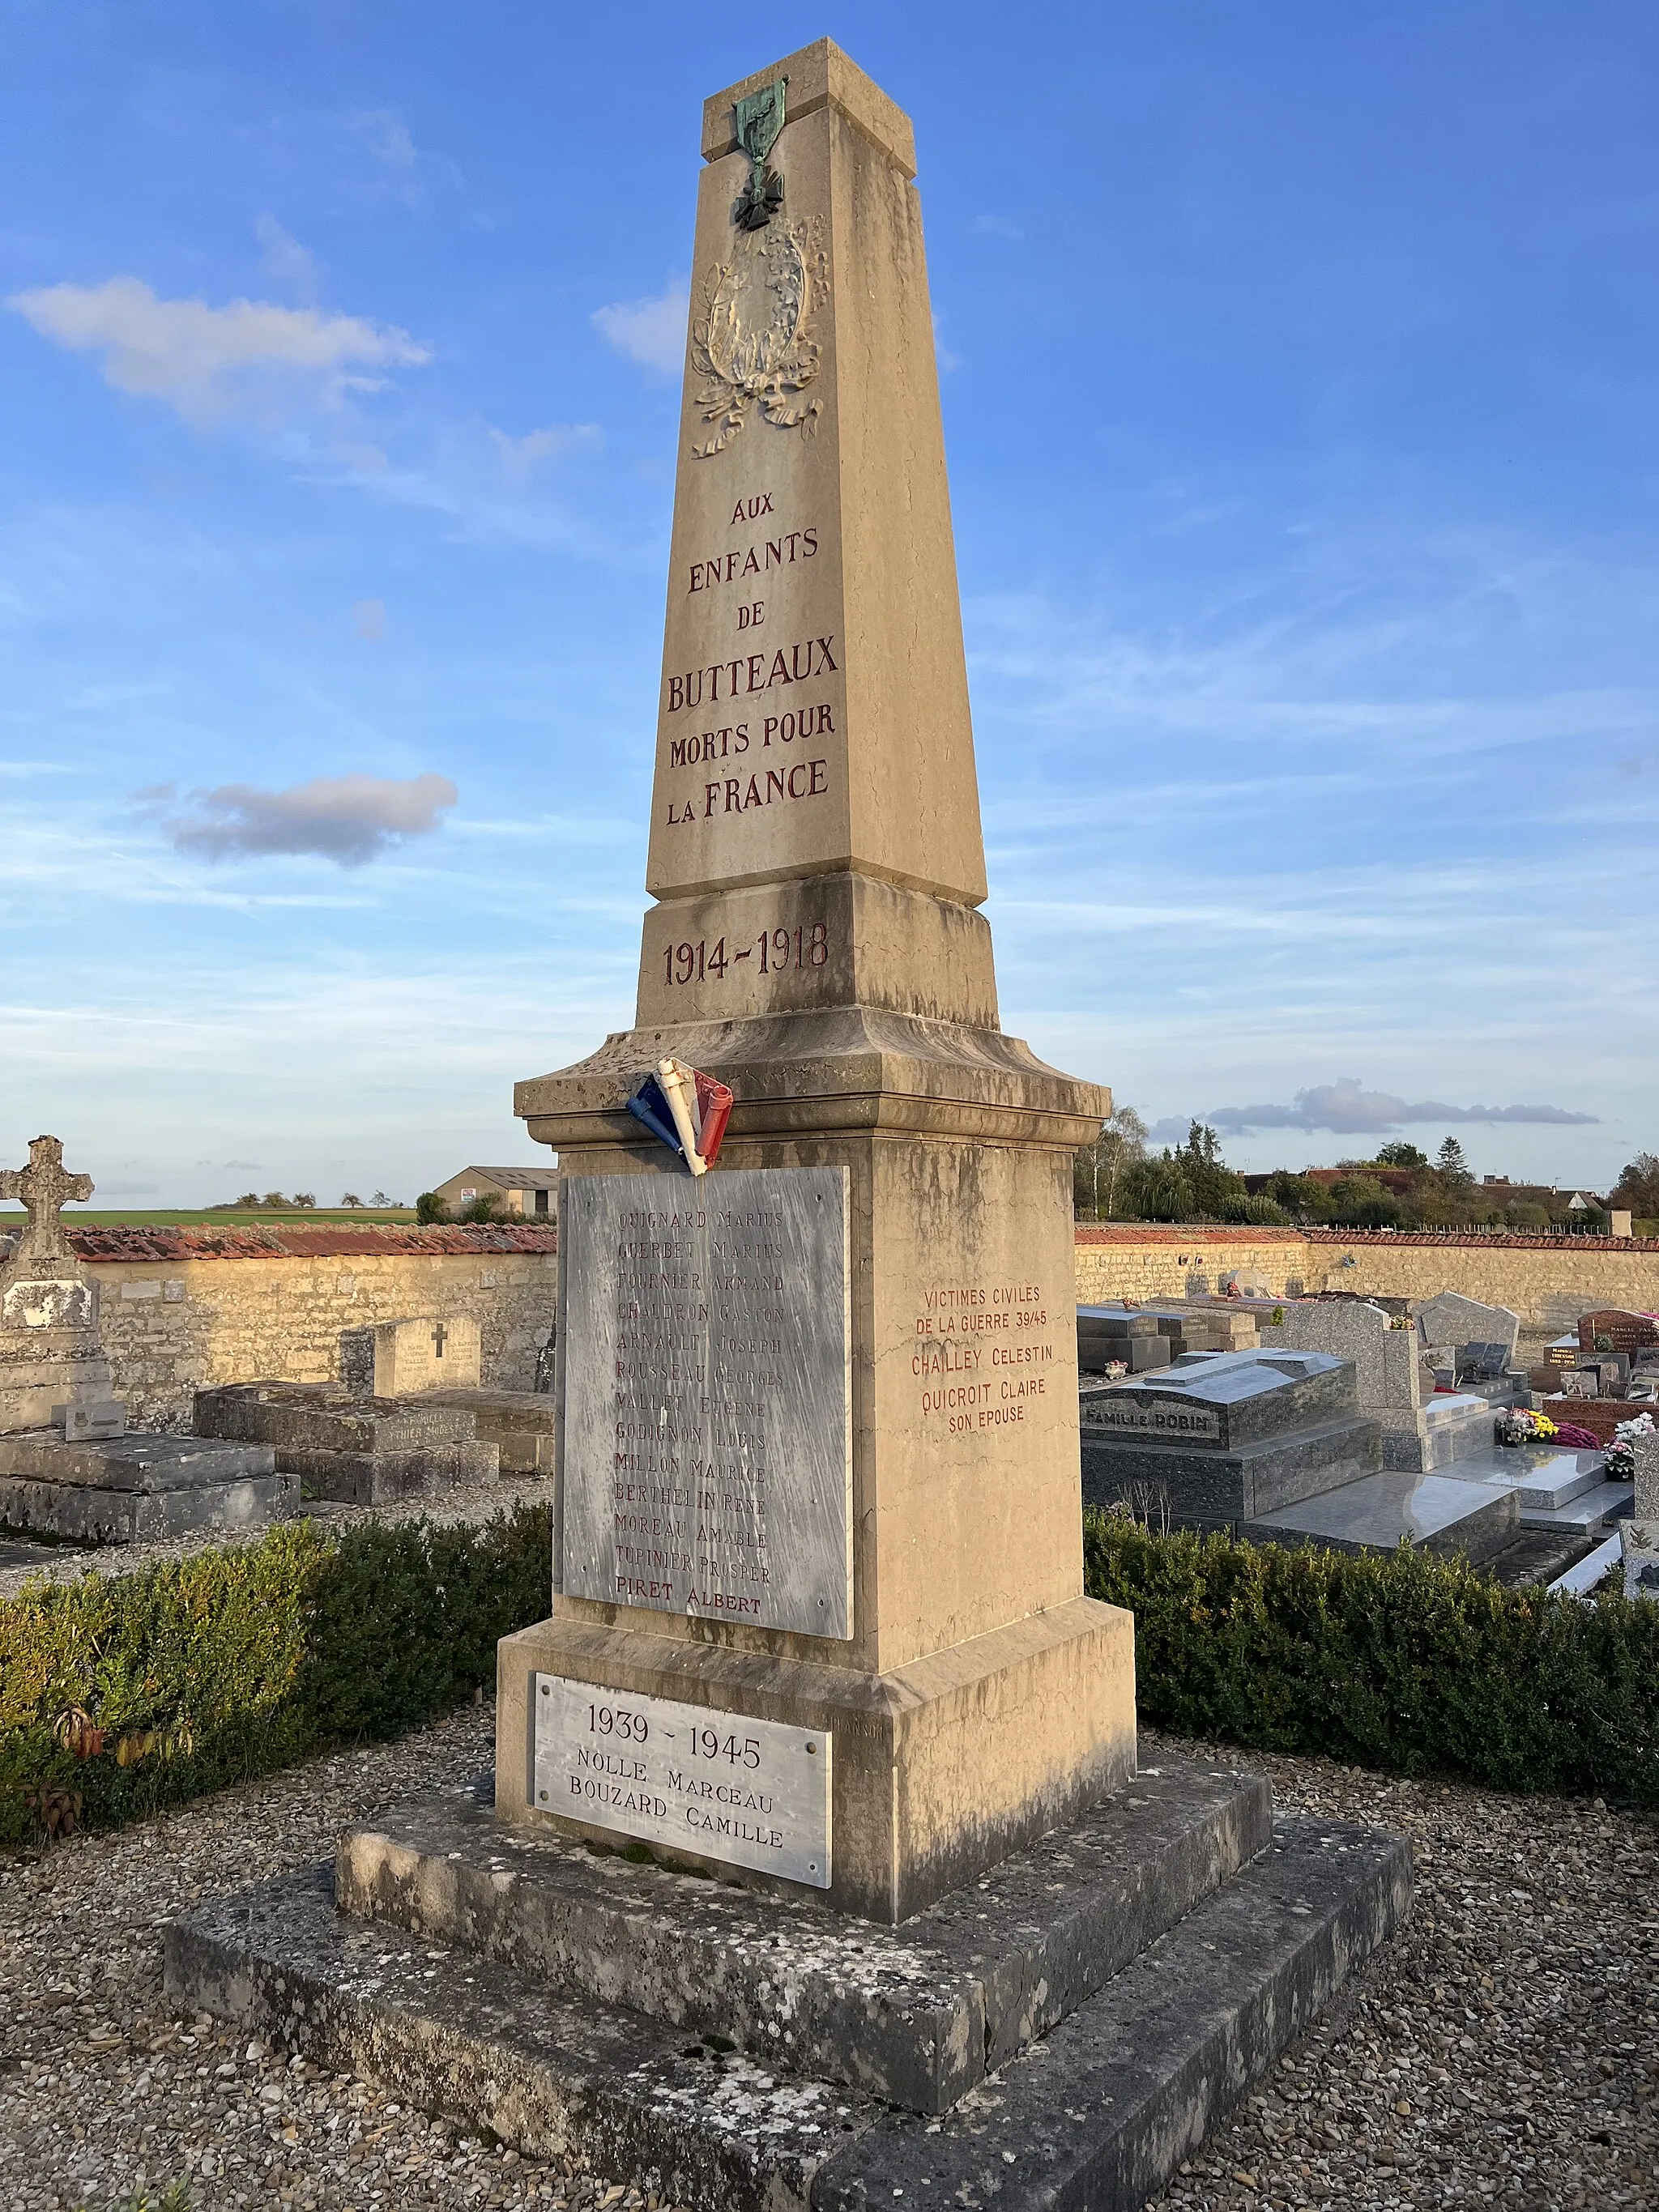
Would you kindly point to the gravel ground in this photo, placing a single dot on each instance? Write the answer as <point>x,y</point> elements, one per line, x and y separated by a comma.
<point>1504,2049</point>
<point>21,1560</point>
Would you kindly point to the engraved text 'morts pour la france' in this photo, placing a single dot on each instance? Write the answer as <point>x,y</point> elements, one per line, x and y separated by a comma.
<point>707,1416</point>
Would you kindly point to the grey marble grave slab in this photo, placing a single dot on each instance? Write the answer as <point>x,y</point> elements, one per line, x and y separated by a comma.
<point>1221,1399</point>
<point>1453,1319</point>
<point>706,1439</point>
<point>1430,1512</point>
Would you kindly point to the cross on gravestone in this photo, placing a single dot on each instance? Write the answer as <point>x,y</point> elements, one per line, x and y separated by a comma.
<point>45,1188</point>
<point>438,1336</point>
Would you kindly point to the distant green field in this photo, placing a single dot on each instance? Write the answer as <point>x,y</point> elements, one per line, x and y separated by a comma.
<point>92,1216</point>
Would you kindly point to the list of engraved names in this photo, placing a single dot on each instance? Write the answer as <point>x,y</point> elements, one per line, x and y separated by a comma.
<point>706,1412</point>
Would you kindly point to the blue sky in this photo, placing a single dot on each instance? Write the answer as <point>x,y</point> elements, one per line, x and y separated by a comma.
<point>1300,402</point>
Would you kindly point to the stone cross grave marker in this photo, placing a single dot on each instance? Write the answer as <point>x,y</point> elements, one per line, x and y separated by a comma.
<point>45,1188</point>
<point>405,1358</point>
<point>53,1366</point>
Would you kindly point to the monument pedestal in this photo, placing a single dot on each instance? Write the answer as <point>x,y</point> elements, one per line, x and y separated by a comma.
<point>1063,2032</point>
<point>942,1767</point>
<point>977,1699</point>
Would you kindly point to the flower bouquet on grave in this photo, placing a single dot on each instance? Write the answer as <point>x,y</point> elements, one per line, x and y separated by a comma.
<point>686,1110</point>
<point>1621,1452</point>
<point>1519,1426</point>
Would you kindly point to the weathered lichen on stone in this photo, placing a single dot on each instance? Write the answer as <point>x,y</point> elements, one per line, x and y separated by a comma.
<point>752,339</point>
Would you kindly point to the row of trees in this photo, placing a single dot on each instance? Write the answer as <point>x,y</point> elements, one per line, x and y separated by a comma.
<point>1117,1178</point>
<point>302,1200</point>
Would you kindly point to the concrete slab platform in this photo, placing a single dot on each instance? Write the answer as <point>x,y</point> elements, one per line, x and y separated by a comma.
<point>137,1488</point>
<point>1432,1512</point>
<point>1598,1509</point>
<point>1092,2118</point>
<point>1541,1477</point>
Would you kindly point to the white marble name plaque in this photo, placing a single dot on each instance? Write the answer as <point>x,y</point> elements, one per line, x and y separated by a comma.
<point>750,1793</point>
<point>706,1403</point>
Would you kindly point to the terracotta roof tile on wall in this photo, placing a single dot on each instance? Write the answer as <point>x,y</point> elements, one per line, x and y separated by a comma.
<point>297,1243</point>
<point>1167,1232</point>
<point>1514,1241</point>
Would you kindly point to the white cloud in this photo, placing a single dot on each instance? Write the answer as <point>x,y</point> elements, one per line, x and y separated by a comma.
<point>348,818</point>
<point>210,364</point>
<point>285,261</point>
<point>387,136</point>
<point>649,332</point>
<point>997,225</point>
<point>520,457</point>
<point>1348,1109</point>
<point>126,1189</point>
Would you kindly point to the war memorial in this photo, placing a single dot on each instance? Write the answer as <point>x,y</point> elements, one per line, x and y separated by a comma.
<point>818,1867</point>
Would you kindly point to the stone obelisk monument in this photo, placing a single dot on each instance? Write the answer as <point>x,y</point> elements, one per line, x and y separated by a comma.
<point>818,1615</point>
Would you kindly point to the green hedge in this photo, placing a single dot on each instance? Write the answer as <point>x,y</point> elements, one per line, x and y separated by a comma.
<point>1397,1661</point>
<point>239,1662</point>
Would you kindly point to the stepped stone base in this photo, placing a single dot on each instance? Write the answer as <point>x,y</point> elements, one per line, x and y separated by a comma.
<point>1060,2034</point>
<point>137,1488</point>
<point>357,1451</point>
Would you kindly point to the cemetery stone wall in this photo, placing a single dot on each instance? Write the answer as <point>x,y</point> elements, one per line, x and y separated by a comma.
<point>1549,1281</point>
<point>173,1325</point>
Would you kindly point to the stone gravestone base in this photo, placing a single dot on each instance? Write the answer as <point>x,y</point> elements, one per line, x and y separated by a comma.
<point>521,1424</point>
<point>137,1489</point>
<point>67,1470</point>
<point>355,1451</point>
<point>1640,1535</point>
<point>1124,1981</point>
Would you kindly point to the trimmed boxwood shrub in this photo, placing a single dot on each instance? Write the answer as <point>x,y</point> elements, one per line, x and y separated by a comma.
<point>1397,1660</point>
<point>121,1694</point>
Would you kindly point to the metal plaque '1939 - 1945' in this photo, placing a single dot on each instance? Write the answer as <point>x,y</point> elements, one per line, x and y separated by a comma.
<point>752,1793</point>
<point>706,1398</point>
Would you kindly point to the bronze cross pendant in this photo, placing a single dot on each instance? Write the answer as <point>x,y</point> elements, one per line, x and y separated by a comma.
<point>45,1188</point>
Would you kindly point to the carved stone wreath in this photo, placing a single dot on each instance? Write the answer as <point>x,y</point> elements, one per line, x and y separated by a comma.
<point>752,339</point>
